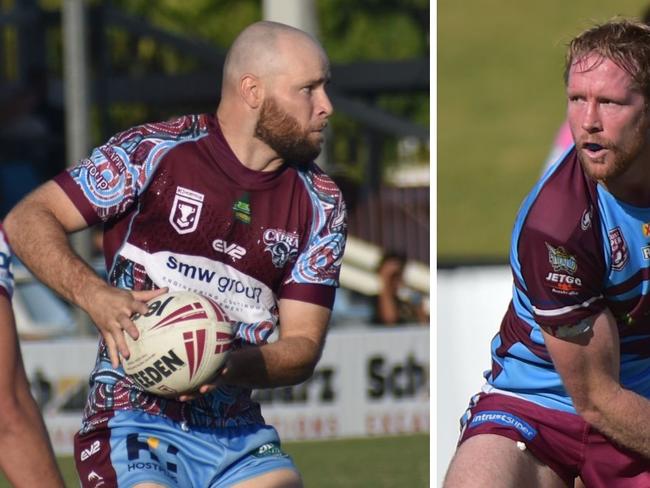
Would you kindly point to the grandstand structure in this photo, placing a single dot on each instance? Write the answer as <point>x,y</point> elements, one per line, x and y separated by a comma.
<point>382,215</point>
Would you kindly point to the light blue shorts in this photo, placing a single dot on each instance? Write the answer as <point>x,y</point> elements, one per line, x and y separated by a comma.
<point>134,447</point>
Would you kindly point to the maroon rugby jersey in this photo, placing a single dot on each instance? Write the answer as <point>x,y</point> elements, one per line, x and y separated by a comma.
<point>575,250</point>
<point>180,211</point>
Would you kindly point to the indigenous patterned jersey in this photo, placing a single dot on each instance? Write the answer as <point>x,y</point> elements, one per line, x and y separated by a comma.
<point>6,277</point>
<point>575,251</point>
<point>180,211</point>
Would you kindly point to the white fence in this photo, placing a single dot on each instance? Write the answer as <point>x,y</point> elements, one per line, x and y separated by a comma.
<point>369,382</point>
<point>471,302</point>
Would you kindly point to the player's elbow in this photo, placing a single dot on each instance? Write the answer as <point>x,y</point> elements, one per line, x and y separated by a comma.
<point>12,415</point>
<point>11,222</point>
<point>305,364</point>
<point>593,407</point>
<point>19,222</point>
<point>590,414</point>
<point>304,370</point>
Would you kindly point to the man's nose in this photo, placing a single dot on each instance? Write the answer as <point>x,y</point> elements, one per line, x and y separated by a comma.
<point>326,107</point>
<point>591,121</point>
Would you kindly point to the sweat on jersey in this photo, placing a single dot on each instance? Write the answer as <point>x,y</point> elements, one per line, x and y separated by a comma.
<point>575,251</point>
<point>180,211</point>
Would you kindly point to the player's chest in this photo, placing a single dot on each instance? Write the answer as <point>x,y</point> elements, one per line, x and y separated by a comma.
<point>259,232</point>
<point>626,247</point>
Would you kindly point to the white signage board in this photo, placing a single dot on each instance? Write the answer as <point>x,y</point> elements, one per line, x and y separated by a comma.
<point>369,381</point>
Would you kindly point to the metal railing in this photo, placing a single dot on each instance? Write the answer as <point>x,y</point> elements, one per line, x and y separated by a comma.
<point>395,219</point>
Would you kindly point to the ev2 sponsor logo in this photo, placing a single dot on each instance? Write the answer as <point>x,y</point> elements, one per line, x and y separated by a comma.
<point>92,450</point>
<point>234,251</point>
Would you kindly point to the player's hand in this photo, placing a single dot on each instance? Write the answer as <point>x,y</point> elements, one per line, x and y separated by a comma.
<point>111,310</point>
<point>212,385</point>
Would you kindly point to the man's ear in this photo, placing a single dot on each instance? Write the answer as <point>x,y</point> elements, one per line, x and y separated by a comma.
<point>250,89</point>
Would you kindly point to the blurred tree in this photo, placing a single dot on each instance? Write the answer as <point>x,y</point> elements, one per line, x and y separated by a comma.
<point>375,30</point>
<point>364,30</point>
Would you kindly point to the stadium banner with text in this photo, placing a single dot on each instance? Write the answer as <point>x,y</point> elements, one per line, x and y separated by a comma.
<point>368,382</point>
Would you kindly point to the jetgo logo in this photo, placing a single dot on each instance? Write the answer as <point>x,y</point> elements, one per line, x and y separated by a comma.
<point>564,284</point>
<point>234,251</point>
<point>504,418</point>
<point>92,450</point>
<point>186,210</point>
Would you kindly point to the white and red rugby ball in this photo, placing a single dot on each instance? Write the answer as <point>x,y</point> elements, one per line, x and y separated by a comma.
<point>184,339</point>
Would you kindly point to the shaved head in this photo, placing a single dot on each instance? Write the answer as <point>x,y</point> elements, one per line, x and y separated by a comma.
<point>263,49</point>
<point>273,99</point>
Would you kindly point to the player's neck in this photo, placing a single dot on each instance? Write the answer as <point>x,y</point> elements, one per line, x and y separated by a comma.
<point>630,188</point>
<point>250,151</point>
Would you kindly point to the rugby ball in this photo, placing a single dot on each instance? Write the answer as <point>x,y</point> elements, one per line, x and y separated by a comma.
<point>184,339</point>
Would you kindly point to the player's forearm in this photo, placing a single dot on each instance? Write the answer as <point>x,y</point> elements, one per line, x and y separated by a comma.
<point>622,416</point>
<point>287,362</point>
<point>27,459</point>
<point>41,243</point>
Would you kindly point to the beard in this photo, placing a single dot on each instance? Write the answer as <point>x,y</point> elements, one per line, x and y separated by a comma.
<point>612,165</point>
<point>282,133</point>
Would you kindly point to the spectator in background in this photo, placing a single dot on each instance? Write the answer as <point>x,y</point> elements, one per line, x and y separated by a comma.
<point>396,304</point>
<point>32,143</point>
<point>26,455</point>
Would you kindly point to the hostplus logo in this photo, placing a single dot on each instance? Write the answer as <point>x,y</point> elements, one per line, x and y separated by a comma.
<point>142,455</point>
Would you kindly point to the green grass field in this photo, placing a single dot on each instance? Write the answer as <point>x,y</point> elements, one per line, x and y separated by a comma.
<point>500,99</point>
<point>386,462</point>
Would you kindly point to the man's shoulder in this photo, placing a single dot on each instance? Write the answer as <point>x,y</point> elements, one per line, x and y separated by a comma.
<point>563,203</point>
<point>176,128</point>
<point>320,182</point>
